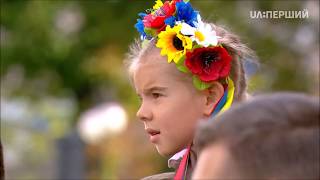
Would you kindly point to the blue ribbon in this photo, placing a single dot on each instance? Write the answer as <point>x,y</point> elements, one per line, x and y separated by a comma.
<point>221,103</point>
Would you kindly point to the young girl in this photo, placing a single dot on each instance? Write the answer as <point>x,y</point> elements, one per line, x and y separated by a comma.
<point>184,70</point>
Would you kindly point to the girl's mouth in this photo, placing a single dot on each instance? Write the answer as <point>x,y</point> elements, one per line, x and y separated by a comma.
<point>154,135</point>
<point>152,132</point>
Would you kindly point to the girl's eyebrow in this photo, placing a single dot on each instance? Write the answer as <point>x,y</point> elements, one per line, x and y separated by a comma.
<point>155,88</point>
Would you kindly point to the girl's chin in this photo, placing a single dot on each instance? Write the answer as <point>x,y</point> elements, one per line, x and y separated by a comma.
<point>165,152</point>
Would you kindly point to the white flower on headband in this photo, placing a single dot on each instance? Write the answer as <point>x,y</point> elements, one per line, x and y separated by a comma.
<point>202,33</point>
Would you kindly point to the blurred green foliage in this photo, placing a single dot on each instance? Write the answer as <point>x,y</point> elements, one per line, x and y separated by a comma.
<point>38,44</point>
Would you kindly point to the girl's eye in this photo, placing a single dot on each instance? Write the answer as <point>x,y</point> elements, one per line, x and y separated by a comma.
<point>156,95</point>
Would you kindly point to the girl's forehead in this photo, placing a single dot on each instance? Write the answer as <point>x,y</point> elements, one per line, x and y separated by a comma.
<point>155,72</point>
<point>152,55</point>
<point>154,69</point>
<point>157,63</point>
<point>151,72</point>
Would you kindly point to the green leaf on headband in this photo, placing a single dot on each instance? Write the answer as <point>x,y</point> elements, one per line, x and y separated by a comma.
<point>200,85</point>
<point>150,32</point>
<point>196,46</point>
<point>186,1</point>
<point>181,60</point>
<point>182,68</point>
<point>180,65</point>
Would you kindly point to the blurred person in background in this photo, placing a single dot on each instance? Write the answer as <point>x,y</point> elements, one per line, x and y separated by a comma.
<point>184,70</point>
<point>271,137</point>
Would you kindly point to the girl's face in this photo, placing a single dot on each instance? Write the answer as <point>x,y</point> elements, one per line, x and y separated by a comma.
<point>170,106</point>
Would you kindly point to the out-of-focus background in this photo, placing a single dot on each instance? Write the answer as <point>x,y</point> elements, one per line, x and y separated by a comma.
<point>67,107</point>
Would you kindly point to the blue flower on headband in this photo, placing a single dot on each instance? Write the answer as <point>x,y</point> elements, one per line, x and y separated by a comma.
<point>186,13</point>
<point>139,25</point>
<point>170,21</point>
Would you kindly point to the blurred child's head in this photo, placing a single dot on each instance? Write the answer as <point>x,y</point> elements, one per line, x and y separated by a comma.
<point>271,137</point>
<point>171,104</point>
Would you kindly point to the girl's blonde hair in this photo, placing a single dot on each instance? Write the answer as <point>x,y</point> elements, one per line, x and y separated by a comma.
<point>239,52</point>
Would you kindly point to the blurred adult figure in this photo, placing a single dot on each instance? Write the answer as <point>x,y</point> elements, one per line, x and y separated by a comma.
<point>270,137</point>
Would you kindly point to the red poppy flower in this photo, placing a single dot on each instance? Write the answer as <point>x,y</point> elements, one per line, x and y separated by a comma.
<point>156,20</point>
<point>209,63</point>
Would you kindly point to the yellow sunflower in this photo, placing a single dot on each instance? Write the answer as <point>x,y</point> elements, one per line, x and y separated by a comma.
<point>173,43</point>
<point>157,5</point>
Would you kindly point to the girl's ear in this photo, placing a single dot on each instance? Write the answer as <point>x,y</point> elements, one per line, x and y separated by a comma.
<point>213,95</point>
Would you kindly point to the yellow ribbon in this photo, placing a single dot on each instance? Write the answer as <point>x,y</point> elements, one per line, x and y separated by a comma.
<point>229,96</point>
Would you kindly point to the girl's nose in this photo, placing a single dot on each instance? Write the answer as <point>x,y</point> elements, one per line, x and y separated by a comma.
<point>144,113</point>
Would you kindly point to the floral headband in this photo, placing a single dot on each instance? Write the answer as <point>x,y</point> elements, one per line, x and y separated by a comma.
<point>187,41</point>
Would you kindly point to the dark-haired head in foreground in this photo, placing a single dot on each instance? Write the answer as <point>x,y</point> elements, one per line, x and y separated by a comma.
<point>270,137</point>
